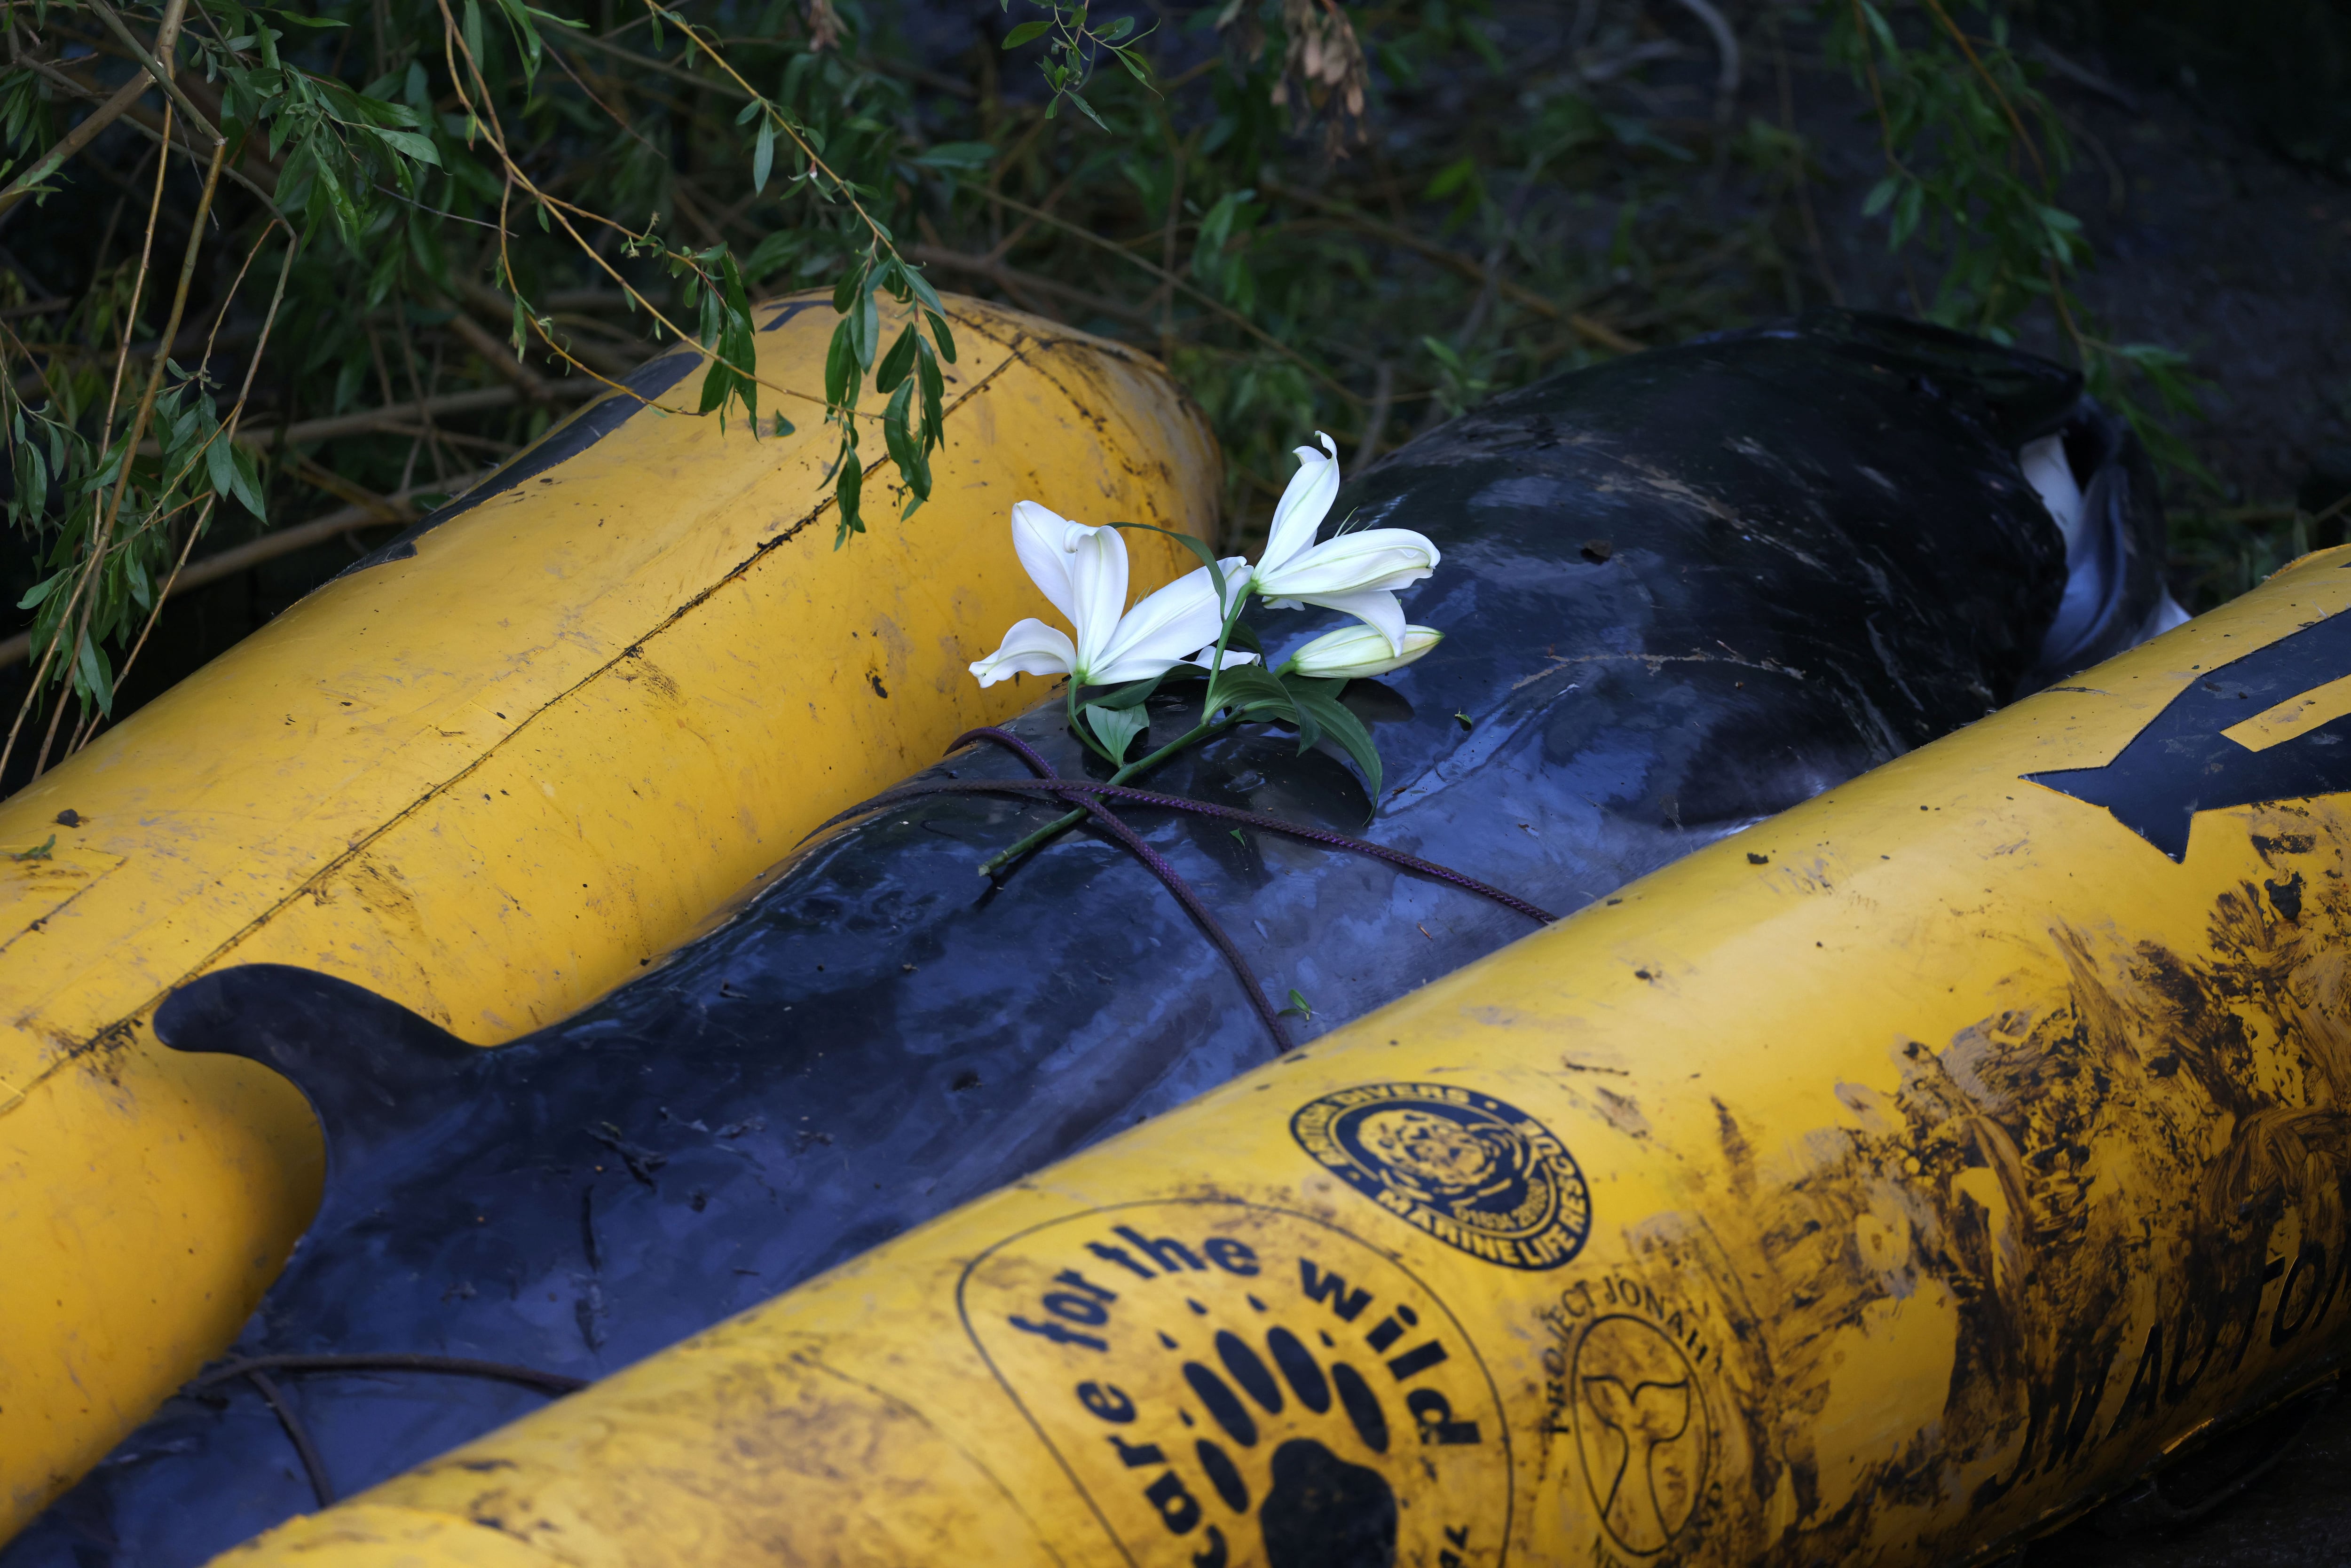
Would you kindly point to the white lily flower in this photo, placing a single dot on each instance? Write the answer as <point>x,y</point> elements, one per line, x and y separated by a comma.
<point>1083,572</point>
<point>1354,573</point>
<point>1354,652</point>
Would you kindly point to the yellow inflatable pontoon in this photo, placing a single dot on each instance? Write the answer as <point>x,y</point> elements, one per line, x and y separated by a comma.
<point>1880,1185</point>
<point>489,774</point>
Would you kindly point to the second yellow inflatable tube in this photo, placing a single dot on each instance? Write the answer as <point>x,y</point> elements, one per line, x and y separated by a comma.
<point>491,777</point>
<point>1881,1185</point>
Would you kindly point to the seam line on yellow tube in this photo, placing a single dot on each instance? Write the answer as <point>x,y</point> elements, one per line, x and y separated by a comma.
<point>816,1363</point>
<point>74,1051</point>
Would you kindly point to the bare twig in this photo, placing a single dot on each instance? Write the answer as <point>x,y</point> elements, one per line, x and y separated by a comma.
<point>86,586</point>
<point>998,273</point>
<point>1797,175</point>
<point>34,308</point>
<point>69,631</point>
<point>392,418</point>
<point>1375,421</point>
<point>2117,188</point>
<point>384,507</point>
<point>1593,330</point>
<point>740,94</point>
<point>1726,48</point>
<point>498,356</point>
<point>450,438</point>
<point>1166,302</point>
<point>2082,76</point>
<point>1078,232</point>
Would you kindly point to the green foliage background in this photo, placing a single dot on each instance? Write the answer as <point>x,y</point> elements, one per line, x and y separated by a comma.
<point>359,251</point>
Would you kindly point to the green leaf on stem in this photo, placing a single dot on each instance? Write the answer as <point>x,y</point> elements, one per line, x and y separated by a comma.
<point>220,468</point>
<point>42,590</point>
<point>1134,694</point>
<point>763,154</point>
<point>852,284</point>
<point>841,375</point>
<point>934,395</point>
<point>939,331</point>
<point>94,674</point>
<point>906,451</point>
<point>1255,691</point>
<point>868,317</point>
<point>957,156</point>
<point>1115,727</point>
<point>847,492</point>
<point>899,361</point>
<point>1338,724</point>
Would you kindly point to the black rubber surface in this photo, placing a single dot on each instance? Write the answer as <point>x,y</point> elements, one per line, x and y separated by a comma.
<point>1682,593</point>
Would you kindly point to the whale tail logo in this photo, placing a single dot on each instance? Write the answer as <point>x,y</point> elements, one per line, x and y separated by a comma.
<point>1642,1430</point>
<point>1640,1419</point>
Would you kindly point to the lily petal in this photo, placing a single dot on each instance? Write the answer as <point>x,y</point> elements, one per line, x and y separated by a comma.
<point>1158,632</point>
<point>1040,538</point>
<point>1386,558</point>
<point>1375,607</point>
<point>1097,559</point>
<point>1304,503</point>
<point>1031,648</point>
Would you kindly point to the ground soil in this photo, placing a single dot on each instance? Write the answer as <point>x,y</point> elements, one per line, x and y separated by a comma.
<point>2298,1515</point>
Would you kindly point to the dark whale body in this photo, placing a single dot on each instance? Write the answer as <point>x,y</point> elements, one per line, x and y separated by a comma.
<point>1682,593</point>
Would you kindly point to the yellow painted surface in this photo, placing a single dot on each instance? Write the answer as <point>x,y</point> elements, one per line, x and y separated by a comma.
<point>1878,1186</point>
<point>2297,716</point>
<point>491,782</point>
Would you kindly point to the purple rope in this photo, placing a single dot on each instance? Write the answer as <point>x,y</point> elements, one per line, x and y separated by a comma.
<point>313,1464</point>
<point>1047,779</point>
<point>1010,742</point>
<point>256,1370</point>
<point>550,1383</point>
<point>1048,783</point>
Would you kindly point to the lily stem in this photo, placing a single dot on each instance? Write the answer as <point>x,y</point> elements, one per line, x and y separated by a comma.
<point>1005,857</point>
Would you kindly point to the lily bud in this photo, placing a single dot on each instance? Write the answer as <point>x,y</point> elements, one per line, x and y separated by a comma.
<point>1356,651</point>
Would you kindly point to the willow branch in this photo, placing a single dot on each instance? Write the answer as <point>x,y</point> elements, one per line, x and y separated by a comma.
<point>166,36</point>
<point>270,547</point>
<point>227,431</point>
<point>155,68</point>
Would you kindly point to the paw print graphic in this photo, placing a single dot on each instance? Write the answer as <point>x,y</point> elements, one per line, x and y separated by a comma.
<point>1320,1508</point>
<point>1231,1385</point>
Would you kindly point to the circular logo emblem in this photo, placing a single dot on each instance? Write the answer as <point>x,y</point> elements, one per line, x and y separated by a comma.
<point>1642,1430</point>
<point>1471,1171</point>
